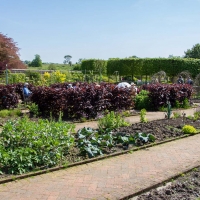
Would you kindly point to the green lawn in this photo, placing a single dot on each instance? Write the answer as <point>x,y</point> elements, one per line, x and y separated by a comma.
<point>52,67</point>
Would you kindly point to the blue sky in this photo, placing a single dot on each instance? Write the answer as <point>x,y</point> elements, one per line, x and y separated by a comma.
<point>100,29</point>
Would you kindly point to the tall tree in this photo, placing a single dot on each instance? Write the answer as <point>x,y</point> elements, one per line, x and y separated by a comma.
<point>36,62</point>
<point>9,54</point>
<point>67,59</point>
<point>194,52</point>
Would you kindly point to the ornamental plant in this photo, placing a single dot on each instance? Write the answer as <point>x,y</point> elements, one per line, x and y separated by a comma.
<point>8,96</point>
<point>46,76</point>
<point>58,77</point>
<point>176,94</point>
<point>85,101</point>
<point>188,129</point>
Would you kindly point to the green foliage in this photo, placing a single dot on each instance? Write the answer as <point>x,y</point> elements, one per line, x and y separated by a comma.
<point>143,118</point>
<point>67,59</point>
<point>36,62</point>
<point>94,142</point>
<point>141,138</point>
<point>149,66</point>
<point>77,67</point>
<point>188,129</point>
<point>142,100</point>
<point>124,67</point>
<point>33,76</point>
<point>162,108</point>
<point>45,66</point>
<point>190,117</point>
<point>33,108</point>
<point>16,78</point>
<point>177,104</point>
<point>196,115</point>
<point>4,113</point>
<point>126,113</point>
<point>94,65</point>
<point>186,103</point>
<point>26,145</point>
<point>111,121</point>
<point>10,113</point>
<point>88,140</point>
<point>176,115</point>
<point>194,52</point>
<point>52,67</point>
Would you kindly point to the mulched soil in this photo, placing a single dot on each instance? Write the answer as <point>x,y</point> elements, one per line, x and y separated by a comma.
<point>186,187</point>
<point>162,129</point>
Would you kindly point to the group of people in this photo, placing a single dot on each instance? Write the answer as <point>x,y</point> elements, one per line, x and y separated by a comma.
<point>181,80</point>
<point>27,93</point>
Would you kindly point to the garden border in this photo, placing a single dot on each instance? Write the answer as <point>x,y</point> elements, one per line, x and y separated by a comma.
<point>39,172</point>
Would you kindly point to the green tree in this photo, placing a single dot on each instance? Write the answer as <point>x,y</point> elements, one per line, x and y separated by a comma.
<point>80,61</point>
<point>67,60</point>
<point>194,52</point>
<point>27,62</point>
<point>133,56</point>
<point>36,62</point>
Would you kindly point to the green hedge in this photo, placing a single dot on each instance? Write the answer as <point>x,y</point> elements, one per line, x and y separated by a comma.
<point>94,65</point>
<point>144,66</point>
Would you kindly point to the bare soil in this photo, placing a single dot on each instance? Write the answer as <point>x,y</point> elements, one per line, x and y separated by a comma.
<point>162,129</point>
<point>186,187</point>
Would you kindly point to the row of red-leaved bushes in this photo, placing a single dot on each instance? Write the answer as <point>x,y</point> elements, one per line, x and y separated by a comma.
<point>159,94</point>
<point>86,100</point>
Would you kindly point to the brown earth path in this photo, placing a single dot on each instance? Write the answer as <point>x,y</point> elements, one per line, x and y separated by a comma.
<point>112,178</point>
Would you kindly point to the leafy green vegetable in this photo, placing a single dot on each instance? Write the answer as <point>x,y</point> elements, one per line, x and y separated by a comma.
<point>26,145</point>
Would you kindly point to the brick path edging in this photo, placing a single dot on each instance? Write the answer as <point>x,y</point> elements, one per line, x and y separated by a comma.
<point>23,176</point>
<point>158,184</point>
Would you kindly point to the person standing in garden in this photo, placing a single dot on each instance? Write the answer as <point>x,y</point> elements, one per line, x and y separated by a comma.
<point>180,80</point>
<point>190,81</point>
<point>26,91</point>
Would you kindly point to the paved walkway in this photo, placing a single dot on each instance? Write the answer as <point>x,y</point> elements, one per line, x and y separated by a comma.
<point>112,178</point>
<point>134,119</point>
